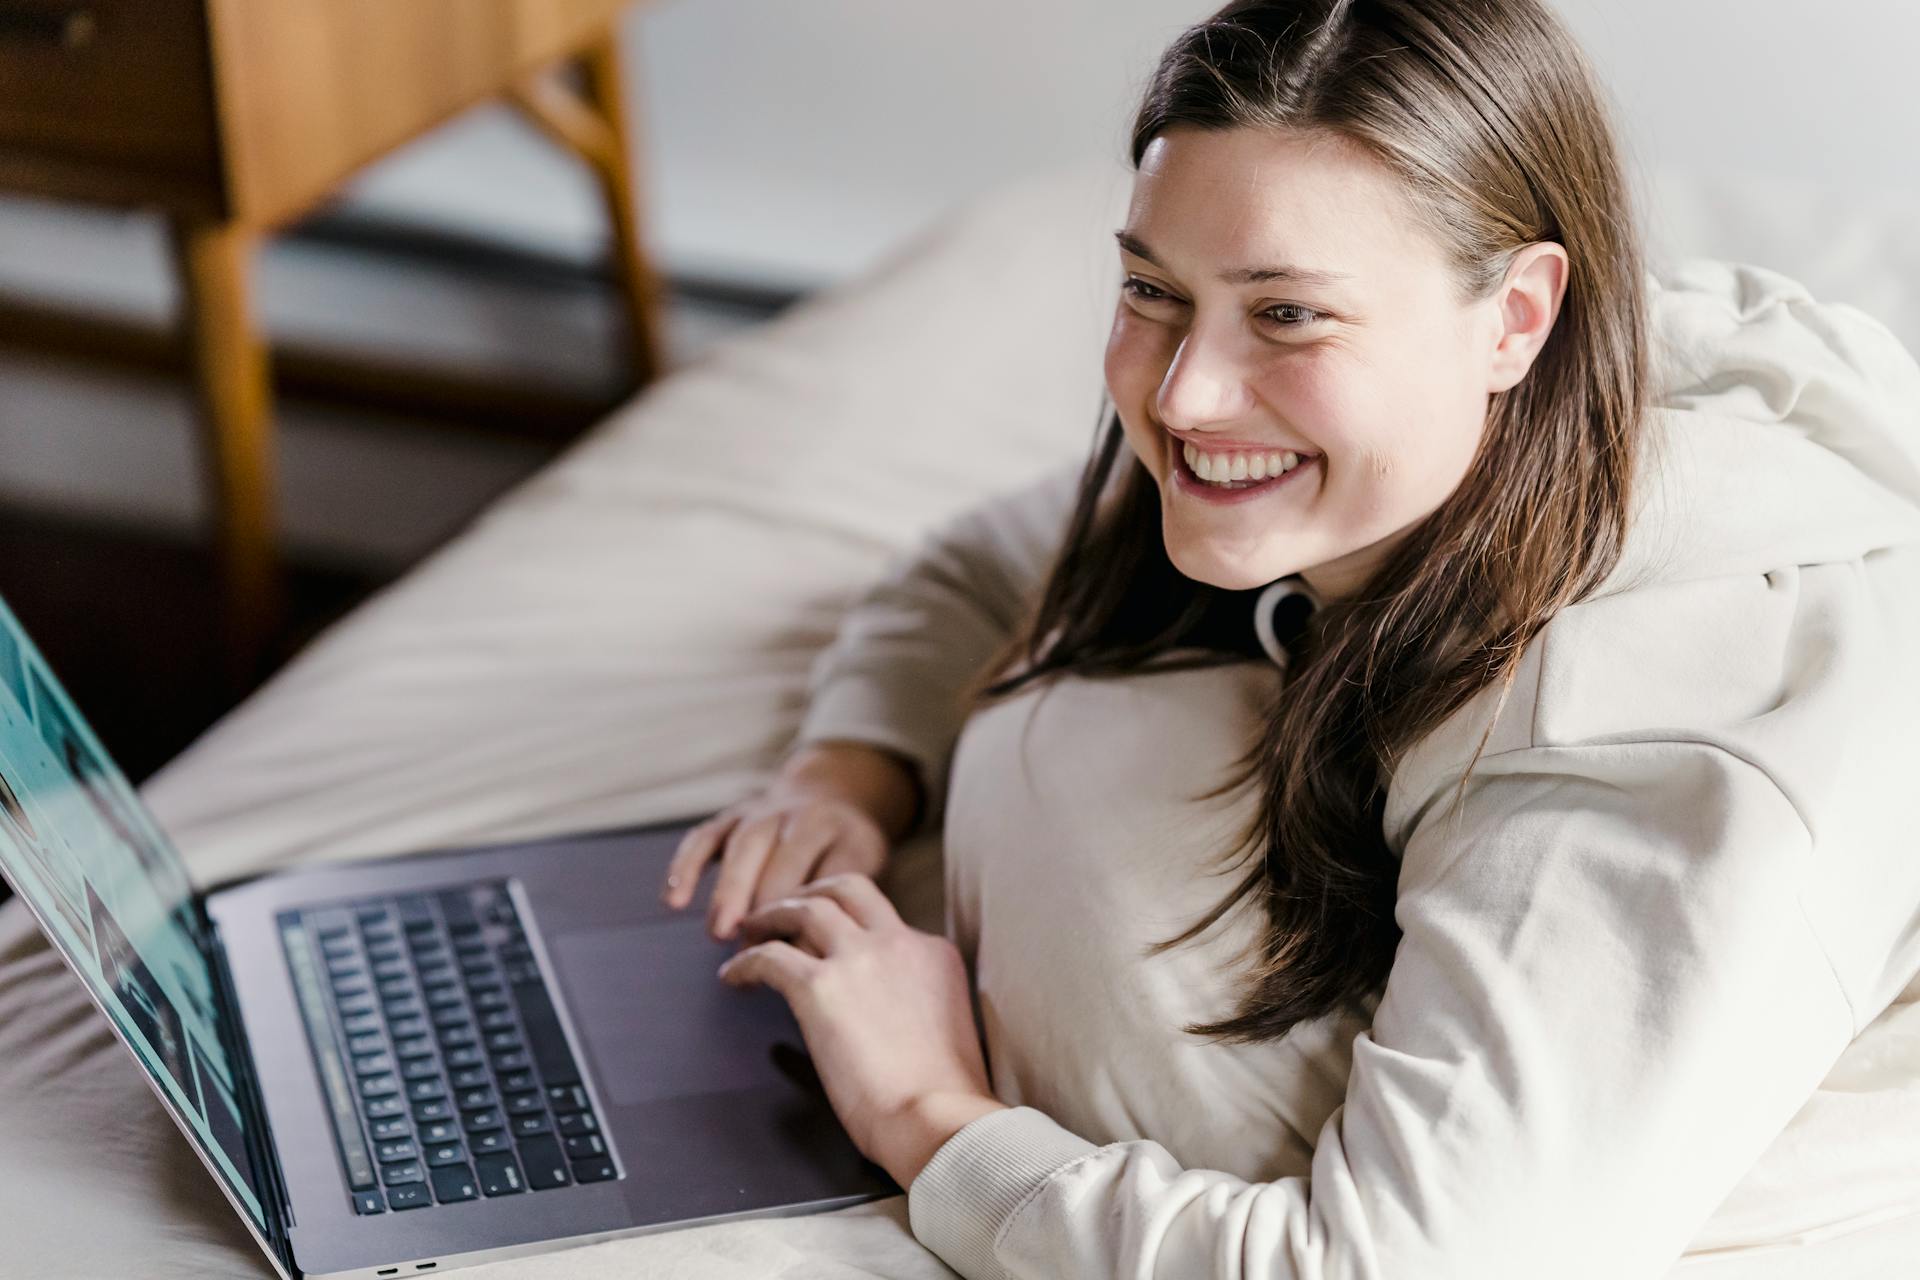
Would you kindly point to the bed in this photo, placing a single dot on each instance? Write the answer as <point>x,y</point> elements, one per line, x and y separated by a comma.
<point>626,638</point>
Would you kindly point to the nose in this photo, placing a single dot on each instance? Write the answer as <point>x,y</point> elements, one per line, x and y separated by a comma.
<point>1204,385</point>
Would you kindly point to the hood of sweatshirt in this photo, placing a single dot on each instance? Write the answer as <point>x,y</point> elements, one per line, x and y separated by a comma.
<point>1786,432</point>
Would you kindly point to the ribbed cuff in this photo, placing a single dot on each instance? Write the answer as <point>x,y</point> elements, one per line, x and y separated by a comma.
<point>980,1177</point>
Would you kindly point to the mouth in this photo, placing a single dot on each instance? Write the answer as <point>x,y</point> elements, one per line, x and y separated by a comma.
<point>1187,481</point>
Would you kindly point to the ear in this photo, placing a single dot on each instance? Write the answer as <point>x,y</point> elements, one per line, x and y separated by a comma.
<point>1527,304</point>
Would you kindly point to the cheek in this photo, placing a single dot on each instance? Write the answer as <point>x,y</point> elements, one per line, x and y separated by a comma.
<point>1135,363</point>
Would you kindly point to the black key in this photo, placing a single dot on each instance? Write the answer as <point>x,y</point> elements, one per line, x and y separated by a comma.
<point>543,1032</point>
<point>413,1046</point>
<point>383,952</point>
<point>536,1123</point>
<point>437,1109</point>
<point>426,1090</point>
<point>567,1098</point>
<point>373,1064</point>
<point>439,1131</point>
<point>355,1007</point>
<point>475,1099</point>
<point>371,1042</point>
<point>457,1037</point>
<point>378,1086</point>
<point>395,1127</point>
<point>471,1078</point>
<point>575,1125</point>
<point>478,1120</point>
<point>354,989</point>
<point>386,970</point>
<point>411,1196</point>
<point>479,982</point>
<point>368,1202</point>
<point>452,1182</point>
<point>516,1060</point>
<point>587,1144</point>
<point>405,1171</point>
<point>491,1140</point>
<point>515,1081</point>
<point>596,1170</point>
<point>444,1154</point>
<point>436,975</point>
<point>398,1010</point>
<point>360,1024</point>
<point>468,944</point>
<point>497,1020</point>
<point>445,996</point>
<point>398,1149</point>
<point>479,966</point>
<point>524,1104</point>
<point>546,1167</point>
<point>454,1015</point>
<point>396,988</point>
<point>499,1175</point>
<point>381,1108</point>
<point>332,923</point>
<point>419,1068</point>
<point>466,1055</point>
<point>378,935</point>
<point>458,909</point>
<point>488,1001</point>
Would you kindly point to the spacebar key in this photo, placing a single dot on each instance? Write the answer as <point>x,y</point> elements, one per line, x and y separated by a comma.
<point>544,1036</point>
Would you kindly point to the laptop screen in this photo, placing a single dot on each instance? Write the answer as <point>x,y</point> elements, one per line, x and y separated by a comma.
<point>110,891</point>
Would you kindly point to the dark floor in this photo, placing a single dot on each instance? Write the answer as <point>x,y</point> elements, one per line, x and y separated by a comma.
<point>132,626</point>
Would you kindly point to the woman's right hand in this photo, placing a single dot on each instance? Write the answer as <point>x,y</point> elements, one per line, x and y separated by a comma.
<point>834,807</point>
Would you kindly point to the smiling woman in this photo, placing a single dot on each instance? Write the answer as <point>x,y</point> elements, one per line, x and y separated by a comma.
<point>1559,775</point>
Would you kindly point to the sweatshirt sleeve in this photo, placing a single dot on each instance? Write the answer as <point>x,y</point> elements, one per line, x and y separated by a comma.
<point>1606,1003</point>
<point>910,644</point>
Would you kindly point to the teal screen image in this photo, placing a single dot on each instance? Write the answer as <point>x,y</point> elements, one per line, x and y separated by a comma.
<point>80,848</point>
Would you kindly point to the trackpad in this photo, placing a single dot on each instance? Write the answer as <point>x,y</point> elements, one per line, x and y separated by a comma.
<point>656,1021</point>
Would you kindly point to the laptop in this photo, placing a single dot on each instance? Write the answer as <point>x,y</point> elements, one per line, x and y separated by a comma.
<point>418,1063</point>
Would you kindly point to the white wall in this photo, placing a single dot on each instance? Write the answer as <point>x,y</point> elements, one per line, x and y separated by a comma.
<point>797,142</point>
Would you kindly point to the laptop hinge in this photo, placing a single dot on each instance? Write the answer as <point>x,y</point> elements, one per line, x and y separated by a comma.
<point>261,1148</point>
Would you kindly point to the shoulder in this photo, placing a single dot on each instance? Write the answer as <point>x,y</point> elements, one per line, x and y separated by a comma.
<point>1800,671</point>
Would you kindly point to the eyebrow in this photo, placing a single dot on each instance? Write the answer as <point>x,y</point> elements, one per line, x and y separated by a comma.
<point>1241,275</point>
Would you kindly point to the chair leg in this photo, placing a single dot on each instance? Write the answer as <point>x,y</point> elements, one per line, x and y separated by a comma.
<point>229,364</point>
<point>645,293</point>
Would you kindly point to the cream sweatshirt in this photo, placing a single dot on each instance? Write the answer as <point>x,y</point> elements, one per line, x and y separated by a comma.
<point>1649,963</point>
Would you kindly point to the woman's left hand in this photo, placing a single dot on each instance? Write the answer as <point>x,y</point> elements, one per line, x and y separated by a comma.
<point>885,1011</point>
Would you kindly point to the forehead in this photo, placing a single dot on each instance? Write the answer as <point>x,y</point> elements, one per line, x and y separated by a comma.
<point>1206,199</point>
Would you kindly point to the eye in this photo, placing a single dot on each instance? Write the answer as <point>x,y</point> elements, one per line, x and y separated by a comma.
<point>1144,292</point>
<point>1308,313</point>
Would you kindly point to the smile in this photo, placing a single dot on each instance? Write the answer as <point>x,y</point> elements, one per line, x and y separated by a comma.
<point>1237,476</point>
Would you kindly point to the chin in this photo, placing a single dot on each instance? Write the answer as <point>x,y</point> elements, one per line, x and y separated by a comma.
<point>1228,573</point>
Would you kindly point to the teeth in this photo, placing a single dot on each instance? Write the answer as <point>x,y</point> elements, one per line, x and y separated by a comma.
<point>1225,468</point>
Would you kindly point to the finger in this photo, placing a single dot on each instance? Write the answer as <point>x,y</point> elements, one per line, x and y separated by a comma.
<point>779,965</point>
<point>746,853</point>
<point>792,863</point>
<point>816,923</point>
<point>683,873</point>
<point>858,895</point>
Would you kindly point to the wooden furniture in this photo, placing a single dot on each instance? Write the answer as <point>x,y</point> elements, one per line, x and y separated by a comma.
<point>236,117</point>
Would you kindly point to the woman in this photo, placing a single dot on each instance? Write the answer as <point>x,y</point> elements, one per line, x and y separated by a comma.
<point>1564,847</point>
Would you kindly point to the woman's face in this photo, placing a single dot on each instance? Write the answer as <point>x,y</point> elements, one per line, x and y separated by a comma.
<point>1278,301</point>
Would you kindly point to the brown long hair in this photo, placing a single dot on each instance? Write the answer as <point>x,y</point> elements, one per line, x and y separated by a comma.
<point>1489,114</point>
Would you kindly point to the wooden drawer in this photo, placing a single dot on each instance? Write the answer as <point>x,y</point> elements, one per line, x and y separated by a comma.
<point>123,83</point>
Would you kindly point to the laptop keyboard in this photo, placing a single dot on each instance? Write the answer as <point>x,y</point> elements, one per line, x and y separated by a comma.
<point>446,1073</point>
